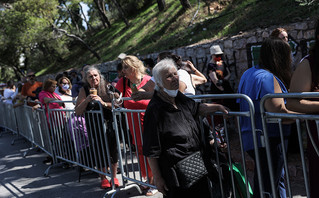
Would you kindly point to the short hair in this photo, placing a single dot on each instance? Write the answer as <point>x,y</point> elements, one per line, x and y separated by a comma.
<point>48,83</point>
<point>159,68</point>
<point>67,79</point>
<point>275,33</point>
<point>135,63</point>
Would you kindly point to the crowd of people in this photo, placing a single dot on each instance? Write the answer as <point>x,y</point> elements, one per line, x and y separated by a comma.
<point>169,131</point>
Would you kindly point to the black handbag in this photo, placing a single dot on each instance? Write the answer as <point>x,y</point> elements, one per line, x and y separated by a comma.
<point>190,170</point>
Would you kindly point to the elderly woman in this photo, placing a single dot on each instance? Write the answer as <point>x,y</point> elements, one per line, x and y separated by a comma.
<point>94,79</point>
<point>47,94</point>
<point>134,78</point>
<point>64,91</point>
<point>171,133</point>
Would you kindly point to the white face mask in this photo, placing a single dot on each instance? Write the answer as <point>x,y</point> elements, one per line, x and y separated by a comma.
<point>171,93</point>
<point>65,87</point>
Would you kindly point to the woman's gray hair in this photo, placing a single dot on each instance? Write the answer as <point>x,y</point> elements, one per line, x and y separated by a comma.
<point>159,68</point>
<point>101,90</point>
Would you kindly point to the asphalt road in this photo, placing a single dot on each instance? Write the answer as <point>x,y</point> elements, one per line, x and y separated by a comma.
<point>24,177</point>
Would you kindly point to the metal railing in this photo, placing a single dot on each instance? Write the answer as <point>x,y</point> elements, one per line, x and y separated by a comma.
<point>85,141</point>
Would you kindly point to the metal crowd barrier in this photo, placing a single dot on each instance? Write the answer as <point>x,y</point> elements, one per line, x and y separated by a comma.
<point>277,118</point>
<point>131,165</point>
<point>3,123</point>
<point>83,140</point>
<point>8,120</point>
<point>80,140</point>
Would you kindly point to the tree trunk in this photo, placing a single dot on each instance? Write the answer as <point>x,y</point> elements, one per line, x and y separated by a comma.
<point>104,18</point>
<point>185,3</point>
<point>78,39</point>
<point>161,5</point>
<point>121,11</point>
<point>207,3</point>
<point>85,19</point>
<point>72,18</point>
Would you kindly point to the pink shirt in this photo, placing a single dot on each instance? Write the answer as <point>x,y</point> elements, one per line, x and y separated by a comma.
<point>45,94</point>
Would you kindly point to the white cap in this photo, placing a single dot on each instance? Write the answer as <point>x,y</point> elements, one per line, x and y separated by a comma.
<point>121,56</point>
<point>215,50</point>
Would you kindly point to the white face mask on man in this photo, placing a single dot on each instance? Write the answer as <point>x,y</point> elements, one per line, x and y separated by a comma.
<point>171,93</point>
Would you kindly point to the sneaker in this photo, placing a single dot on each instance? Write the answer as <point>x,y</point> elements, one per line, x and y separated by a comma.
<point>105,184</point>
<point>151,192</point>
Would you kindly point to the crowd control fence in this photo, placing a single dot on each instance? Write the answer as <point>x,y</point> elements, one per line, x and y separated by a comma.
<point>129,132</point>
<point>89,141</point>
<point>303,122</point>
<point>8,117</point>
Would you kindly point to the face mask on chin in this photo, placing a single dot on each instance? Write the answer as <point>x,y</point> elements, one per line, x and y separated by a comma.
<point>171,93</point>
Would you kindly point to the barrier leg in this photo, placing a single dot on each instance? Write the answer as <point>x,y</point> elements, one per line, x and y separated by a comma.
<point>114,191</point>
<point>17,138</point>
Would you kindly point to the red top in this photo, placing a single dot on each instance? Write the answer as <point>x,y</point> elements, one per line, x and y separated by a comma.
<point>131,104</point>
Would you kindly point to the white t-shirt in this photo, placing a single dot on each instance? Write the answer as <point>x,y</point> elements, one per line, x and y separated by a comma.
<point>68,105</point>
<point>186,78</point>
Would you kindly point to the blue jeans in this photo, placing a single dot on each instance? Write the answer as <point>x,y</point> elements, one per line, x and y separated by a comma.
<point>278,168</point>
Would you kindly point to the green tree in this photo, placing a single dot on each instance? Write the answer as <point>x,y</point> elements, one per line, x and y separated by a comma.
<point>38,33</point>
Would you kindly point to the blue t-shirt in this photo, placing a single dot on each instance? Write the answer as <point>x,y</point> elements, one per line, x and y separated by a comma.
<point>256,83</point>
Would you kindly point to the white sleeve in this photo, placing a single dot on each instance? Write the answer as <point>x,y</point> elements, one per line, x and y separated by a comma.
<point>183,76</point>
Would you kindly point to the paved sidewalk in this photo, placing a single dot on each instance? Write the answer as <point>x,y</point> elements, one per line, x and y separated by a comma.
<point>24,177</point>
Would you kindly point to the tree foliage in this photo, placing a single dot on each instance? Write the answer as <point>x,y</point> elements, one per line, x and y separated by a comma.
<point>38,33</point>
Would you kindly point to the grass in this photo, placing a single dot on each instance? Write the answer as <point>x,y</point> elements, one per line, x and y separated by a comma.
<point>153,31</point>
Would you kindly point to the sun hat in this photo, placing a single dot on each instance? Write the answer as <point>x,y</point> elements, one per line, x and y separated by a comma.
<point>215,50</point>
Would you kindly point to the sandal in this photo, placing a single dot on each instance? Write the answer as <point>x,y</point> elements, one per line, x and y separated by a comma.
<point>116,183</point>
<point>151,192</point>
<point>105,184</point>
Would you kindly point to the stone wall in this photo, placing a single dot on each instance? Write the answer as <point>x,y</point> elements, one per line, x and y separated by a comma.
<point>234,47</point>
